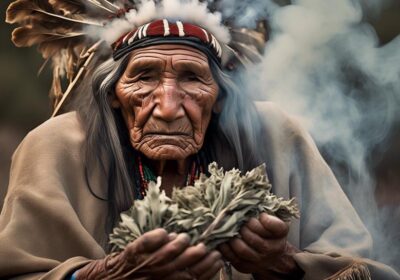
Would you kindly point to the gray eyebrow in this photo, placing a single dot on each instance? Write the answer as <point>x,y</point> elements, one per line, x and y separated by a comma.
<point>195,66</point>
<point>144,62</point>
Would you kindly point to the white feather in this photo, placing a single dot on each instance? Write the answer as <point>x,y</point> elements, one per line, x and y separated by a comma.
<point>191,11</point>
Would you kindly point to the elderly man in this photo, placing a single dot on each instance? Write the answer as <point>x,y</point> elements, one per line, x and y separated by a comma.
<point>163,106</point>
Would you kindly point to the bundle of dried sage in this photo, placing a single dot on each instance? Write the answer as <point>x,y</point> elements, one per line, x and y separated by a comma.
<point>212,211</point>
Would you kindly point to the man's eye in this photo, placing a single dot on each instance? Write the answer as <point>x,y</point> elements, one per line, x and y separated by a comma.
<point>146,78</point>
<point>194,78</point>
<point>191,78</point>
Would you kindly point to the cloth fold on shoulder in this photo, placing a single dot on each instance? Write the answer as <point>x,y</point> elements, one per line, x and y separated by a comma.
<point>319,266</point>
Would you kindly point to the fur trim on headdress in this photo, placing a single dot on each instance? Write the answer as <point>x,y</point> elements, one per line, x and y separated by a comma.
<point>191,11</point>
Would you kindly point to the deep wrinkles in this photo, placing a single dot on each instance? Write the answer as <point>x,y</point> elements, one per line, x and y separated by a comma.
<point>147,133</point>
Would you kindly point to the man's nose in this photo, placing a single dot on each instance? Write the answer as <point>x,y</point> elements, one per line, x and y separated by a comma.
<point>169,101</point>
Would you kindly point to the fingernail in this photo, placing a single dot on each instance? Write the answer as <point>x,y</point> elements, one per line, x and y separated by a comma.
<point>172,236</point>
<point>217,254</point>
<point>184,236</point>
<point>201,246</point>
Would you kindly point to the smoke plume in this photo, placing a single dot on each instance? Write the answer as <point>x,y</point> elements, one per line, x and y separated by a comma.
<point>324,65</point>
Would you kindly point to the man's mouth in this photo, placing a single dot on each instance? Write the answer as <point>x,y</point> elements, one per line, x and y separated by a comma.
<point>162,133</point>
<point>154,140</point>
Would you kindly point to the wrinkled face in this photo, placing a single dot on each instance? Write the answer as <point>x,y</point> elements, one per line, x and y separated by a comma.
<point>166,96</point>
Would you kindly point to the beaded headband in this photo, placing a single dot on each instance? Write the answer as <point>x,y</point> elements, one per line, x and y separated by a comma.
<point>165,32</point>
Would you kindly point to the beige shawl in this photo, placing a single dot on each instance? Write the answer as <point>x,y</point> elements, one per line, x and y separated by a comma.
<point>51,224</point>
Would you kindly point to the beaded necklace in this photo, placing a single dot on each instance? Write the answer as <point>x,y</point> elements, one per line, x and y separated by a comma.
<point>144,174</point>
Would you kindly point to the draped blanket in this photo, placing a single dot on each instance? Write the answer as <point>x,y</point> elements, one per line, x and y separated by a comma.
<point>51,224</point>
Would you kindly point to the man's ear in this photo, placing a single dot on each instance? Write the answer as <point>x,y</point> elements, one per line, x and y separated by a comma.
<point>114,101</point>
<point>218,105</point>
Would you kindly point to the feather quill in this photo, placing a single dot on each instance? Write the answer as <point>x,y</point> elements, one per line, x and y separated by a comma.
<point>106,3</point>
<point>28,36</point>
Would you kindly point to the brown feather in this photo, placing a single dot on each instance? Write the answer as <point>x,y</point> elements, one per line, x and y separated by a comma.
<point>56,92</point>
<point>20,10</point>
<point>56,27</point>
<point>108,4</point>
<point>89,8</point>
<point>71,61</point>
<point>248,52</point>
<point>249,37</point>
<point>52,48</point>
<point>26,11</point>
<point>28,36</point>
<point>72,6</point>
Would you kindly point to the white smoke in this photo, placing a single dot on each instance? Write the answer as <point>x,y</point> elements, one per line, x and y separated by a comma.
<point>324,65</point>
<point>244,13</point>
<point>191,11</point>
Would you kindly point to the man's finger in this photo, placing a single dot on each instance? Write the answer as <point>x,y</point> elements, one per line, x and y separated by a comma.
<point>253,240</point>
<point>255,226</point>
<point>274,226</point>
<point>243,251</point>
<point>189,257</point>
<point>228,254</point>
<point>205,264</point>
<point>214,269</point>
<point>263,246</point>
<point>177,275</point>
<point>147,243</point>
<point>172,236</point>
<point>170,250</point>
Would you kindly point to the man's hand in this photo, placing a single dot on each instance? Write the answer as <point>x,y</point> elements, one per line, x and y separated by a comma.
<point>263,250</point>
<point>156,255</point>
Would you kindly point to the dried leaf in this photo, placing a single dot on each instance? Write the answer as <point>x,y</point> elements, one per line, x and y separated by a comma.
<point>212,211</point>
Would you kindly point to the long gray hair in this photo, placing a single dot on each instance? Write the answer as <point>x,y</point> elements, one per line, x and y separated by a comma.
<point>230,139</point>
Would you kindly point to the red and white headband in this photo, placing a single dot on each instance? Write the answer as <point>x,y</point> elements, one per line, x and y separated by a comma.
<point>166,32</point>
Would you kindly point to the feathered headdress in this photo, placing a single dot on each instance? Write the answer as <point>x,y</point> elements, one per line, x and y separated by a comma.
<point>69,33</point>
